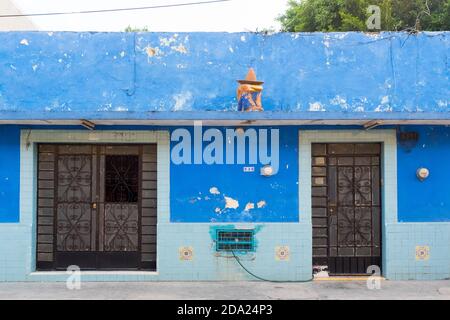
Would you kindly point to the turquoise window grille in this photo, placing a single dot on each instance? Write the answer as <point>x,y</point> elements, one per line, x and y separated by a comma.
<point>235,240</point>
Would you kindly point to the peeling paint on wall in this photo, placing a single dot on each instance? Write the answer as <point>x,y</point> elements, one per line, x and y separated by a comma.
<point>166,42</point>
<point>214,190</point>
<point>249,206</point>
<point>231,203</point>
<point>182,101</point>
<point>151,52</point>
<point>316,106</point>
<point>261,204</point>
<point>180,48</point>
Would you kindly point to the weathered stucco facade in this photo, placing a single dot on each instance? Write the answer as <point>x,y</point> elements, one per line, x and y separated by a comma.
<point>390,89</point>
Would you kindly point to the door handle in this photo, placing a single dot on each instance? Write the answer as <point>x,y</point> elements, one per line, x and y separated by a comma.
<point>94,205</point>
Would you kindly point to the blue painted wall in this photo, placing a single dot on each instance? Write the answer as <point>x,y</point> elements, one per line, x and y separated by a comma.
<point>192,201</point>
<point>76,73</point>
<point>9,173</point>
<point>429,200</point>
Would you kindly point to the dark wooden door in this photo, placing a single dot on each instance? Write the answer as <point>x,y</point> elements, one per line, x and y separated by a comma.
<point>96,207</point>
<point>346,207</point>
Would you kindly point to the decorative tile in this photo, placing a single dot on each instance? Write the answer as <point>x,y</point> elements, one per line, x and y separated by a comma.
<point>422,253</point>
<point>186,253</point>
<point>282,253</point>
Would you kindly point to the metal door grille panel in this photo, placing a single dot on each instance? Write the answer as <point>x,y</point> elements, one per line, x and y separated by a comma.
<point>73,231</point>
<point>96,206</point>
<point>73,203</point>
<point>121,227</point>
<point>346,206</point>
<point>121,178</point>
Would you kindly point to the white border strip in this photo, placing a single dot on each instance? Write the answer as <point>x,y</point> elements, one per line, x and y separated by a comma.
<point>28,172</point>
<point>388,175</point>
<point>389,165</point>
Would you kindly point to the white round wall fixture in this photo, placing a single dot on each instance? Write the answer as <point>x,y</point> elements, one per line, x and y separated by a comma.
<point>267,171</point>
<point>422,173</point>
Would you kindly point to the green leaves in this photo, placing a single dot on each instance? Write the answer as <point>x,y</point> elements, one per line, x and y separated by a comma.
<point>351,15</point>
<point>351,23</point>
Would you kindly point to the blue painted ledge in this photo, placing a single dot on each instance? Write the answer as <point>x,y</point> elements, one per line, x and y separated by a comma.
<point>224,115</point>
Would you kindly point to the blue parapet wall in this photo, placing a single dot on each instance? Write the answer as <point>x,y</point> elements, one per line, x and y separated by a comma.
<point>84,73</point>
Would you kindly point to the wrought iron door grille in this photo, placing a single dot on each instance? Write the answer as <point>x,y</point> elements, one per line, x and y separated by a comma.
<point>96,207</point>
<point>121,178</point>
<point>239,240</point>
<point>346,206</point>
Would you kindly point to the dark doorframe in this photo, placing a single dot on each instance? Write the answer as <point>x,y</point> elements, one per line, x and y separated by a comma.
<point>346,206</point>
<point>96,206</point>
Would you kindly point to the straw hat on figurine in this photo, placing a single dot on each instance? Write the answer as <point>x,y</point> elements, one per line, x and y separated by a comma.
<point>251,79</point>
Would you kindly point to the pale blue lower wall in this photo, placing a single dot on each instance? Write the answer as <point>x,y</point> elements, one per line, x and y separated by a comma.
<point>16,246</point>
<point>16,264</point>
<point>401,239</point>
<point>207,264</point>
<point>400,243</point>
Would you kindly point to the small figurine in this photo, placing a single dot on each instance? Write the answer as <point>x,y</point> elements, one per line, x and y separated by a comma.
<point>249,93</point>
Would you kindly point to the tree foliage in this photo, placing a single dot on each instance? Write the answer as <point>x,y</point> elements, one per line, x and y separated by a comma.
<point>351,15</point>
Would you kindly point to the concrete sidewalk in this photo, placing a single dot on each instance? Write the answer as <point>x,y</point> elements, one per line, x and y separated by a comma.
<point>229,290</point>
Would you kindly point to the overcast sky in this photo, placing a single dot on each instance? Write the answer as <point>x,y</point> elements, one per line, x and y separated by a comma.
<point>233,16</point>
